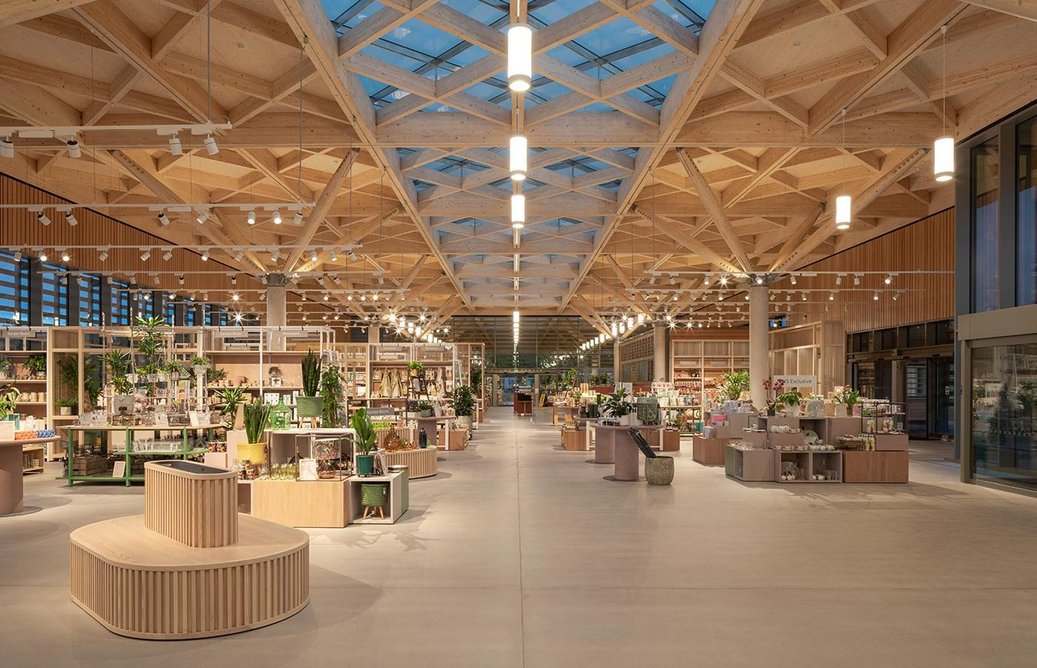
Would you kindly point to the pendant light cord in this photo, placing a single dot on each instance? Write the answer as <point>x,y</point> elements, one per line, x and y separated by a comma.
<point>943,29</point>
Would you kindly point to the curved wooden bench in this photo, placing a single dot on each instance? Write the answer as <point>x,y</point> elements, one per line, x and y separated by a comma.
<point>142,584</point>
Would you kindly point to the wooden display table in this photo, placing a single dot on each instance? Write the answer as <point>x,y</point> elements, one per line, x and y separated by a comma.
<point>302,503</point>
<point>142,583</point>
<point>628,455</point>
<point>891,442</point>
<point>398,497</point>
<point>11,485</point>
<point>573,440</point>
<point>431,427</point>
<point>421,463</point>
<point>708,451</point>
<point>585,425</point>
<point>890,466</point>
<point>749,464</point>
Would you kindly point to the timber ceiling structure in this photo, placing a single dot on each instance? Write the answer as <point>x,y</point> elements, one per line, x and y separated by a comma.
<point>665,135</point>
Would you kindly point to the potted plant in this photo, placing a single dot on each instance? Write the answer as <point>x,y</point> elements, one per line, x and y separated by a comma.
<point>618,408</point>
<point>5,368</point>
<point>231,398</point>
<point>67,406</point>
<point>36,365</point>
<point>735,383</point>
<point>424,409</point>
<point>415,368</point>
<point>9,423</point>
<point>200,365</point>
<point>463,404</point>
<point>791,401</point>
<point>309,404</point>
<point>176,369</point>
<point>773,389</point>
<point>365,440</point>
<point>150,344</point>
<point>117,364</point>
<point>330,396</point>
<point>257,415</point>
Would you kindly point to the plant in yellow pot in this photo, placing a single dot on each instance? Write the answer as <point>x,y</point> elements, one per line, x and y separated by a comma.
<point>257,416</point>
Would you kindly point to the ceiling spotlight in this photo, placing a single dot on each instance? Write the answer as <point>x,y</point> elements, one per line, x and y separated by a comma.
<point>888,280</point>
<point>351,255</point>
<point>518,211</point>
<point>145,255</point>
<point>520,58</point>
<point>43,218</point>
<point>167,255</point>
<point>363,297</point>
<point>70,218</point>
<point>239,255</point>
<point>896,296</point>
<point>349,298</point>
<point>210,145</point>
<point>803,296</point>
<point>274,254</point>
<point>175,147</point>
<point>707,279</point>
<point>831,296</point>
<point>251,217</point>
<point>313,255</point>
<point>277,217</point>
<point>43,255</point>
<point>336,280</point>
<point>6,148</point>
<point>233,279</point>
<point>326,296</point>
<point>205,255</point>
<point>759,280</point>
<point>856,279</point>
<point>297,218</point>
<point>102,255</point>
<point>381,280</point>
<point>651,281</point>
<point>163,219</point>
<point>875,297</point>
<point>180,279</point>
<point>793,279</point>
<point>746,297</point>
<point>65,256</point>
<point>723,279</point>
<point>74,151</point>
<point>235,297</point>
<point>839,279</point>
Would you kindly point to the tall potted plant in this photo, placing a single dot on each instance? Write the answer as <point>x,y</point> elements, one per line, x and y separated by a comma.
<point>9,422</point>
<point>463,404</point>
<point>231,398</point>
<point>257,415</point>
<point>330,396</point>
<point>735,383</point>
<point>365,440</point>
<point>309,404</point>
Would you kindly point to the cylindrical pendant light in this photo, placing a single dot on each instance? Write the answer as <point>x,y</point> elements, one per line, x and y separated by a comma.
<point>515,316</point>
<point>943,159</point>
<point>518,211</point>
<point>518,161</point>
<point>520,58</point>
<point>843,214</point>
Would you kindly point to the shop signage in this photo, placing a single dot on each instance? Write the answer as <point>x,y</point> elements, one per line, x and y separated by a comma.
<point>797,381</point>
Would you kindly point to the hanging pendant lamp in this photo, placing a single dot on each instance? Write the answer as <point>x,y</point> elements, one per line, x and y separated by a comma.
<point>943,147</point>
<point>520,57</point>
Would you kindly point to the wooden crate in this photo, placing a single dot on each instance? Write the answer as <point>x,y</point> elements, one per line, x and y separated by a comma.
<point>878,466</point>
<point>708,451</point>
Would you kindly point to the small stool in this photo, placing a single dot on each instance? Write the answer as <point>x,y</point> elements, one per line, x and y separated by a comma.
<point>659,470</point>
<point>374,496</point>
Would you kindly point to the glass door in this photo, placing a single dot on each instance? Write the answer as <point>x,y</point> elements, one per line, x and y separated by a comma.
<point>916,394</point>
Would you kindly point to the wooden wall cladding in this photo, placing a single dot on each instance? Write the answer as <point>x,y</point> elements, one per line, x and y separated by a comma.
<point>924,245</point>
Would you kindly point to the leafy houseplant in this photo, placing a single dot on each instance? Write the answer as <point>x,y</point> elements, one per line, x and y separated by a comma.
<point>463,404</point>
<point>5,367</point>
<point>791,401</point>
<point>231,398</point>
<point>257,415</point>
<point>200,365</point>
<point>151,344</point>
<point>309,404</point>
<point>415,368</point>
<point>68,406</point>
<point>425,409</point>
<point>365,440</point>
<point>331,396</point>
<point>36,365</point>
<point>617,406</point>
<point>8,401</point>
<point>735,383</point>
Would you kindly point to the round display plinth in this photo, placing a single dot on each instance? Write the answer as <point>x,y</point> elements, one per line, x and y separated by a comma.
<point>141,584</point>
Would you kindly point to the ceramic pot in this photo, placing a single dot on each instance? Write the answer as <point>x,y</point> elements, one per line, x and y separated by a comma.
<point>425,414</point>
<point>659,470</point>
<point>365,465</point>
<point>64,410</point>
<point>839,410</point>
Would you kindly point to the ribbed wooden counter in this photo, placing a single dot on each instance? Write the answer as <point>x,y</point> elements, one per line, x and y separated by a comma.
<point>420,463</point>
<point>191,503</point>
<point>141,584</point>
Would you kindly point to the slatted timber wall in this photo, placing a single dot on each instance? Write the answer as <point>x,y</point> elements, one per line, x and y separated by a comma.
<point>926,244</point>
<point>195,511</point>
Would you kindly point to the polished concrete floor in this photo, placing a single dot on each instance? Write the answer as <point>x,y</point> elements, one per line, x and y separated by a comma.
<point>519,554</point>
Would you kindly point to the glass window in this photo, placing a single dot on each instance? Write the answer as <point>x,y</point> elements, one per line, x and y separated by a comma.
<point>1004,421</point>
<point>14,290</point>
<point>120,303</point>
<point>89,300</point>
<point>55,295</point>
<point>985,172</point>
<point>1026,215</point>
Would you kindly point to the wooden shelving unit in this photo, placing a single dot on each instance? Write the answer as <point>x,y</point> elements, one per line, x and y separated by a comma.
<point>698,364</point>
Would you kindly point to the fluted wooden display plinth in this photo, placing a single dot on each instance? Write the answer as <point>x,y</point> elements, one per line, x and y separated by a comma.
<point>420,463</point>
<point>194,504</point>
<point>153,584</point>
